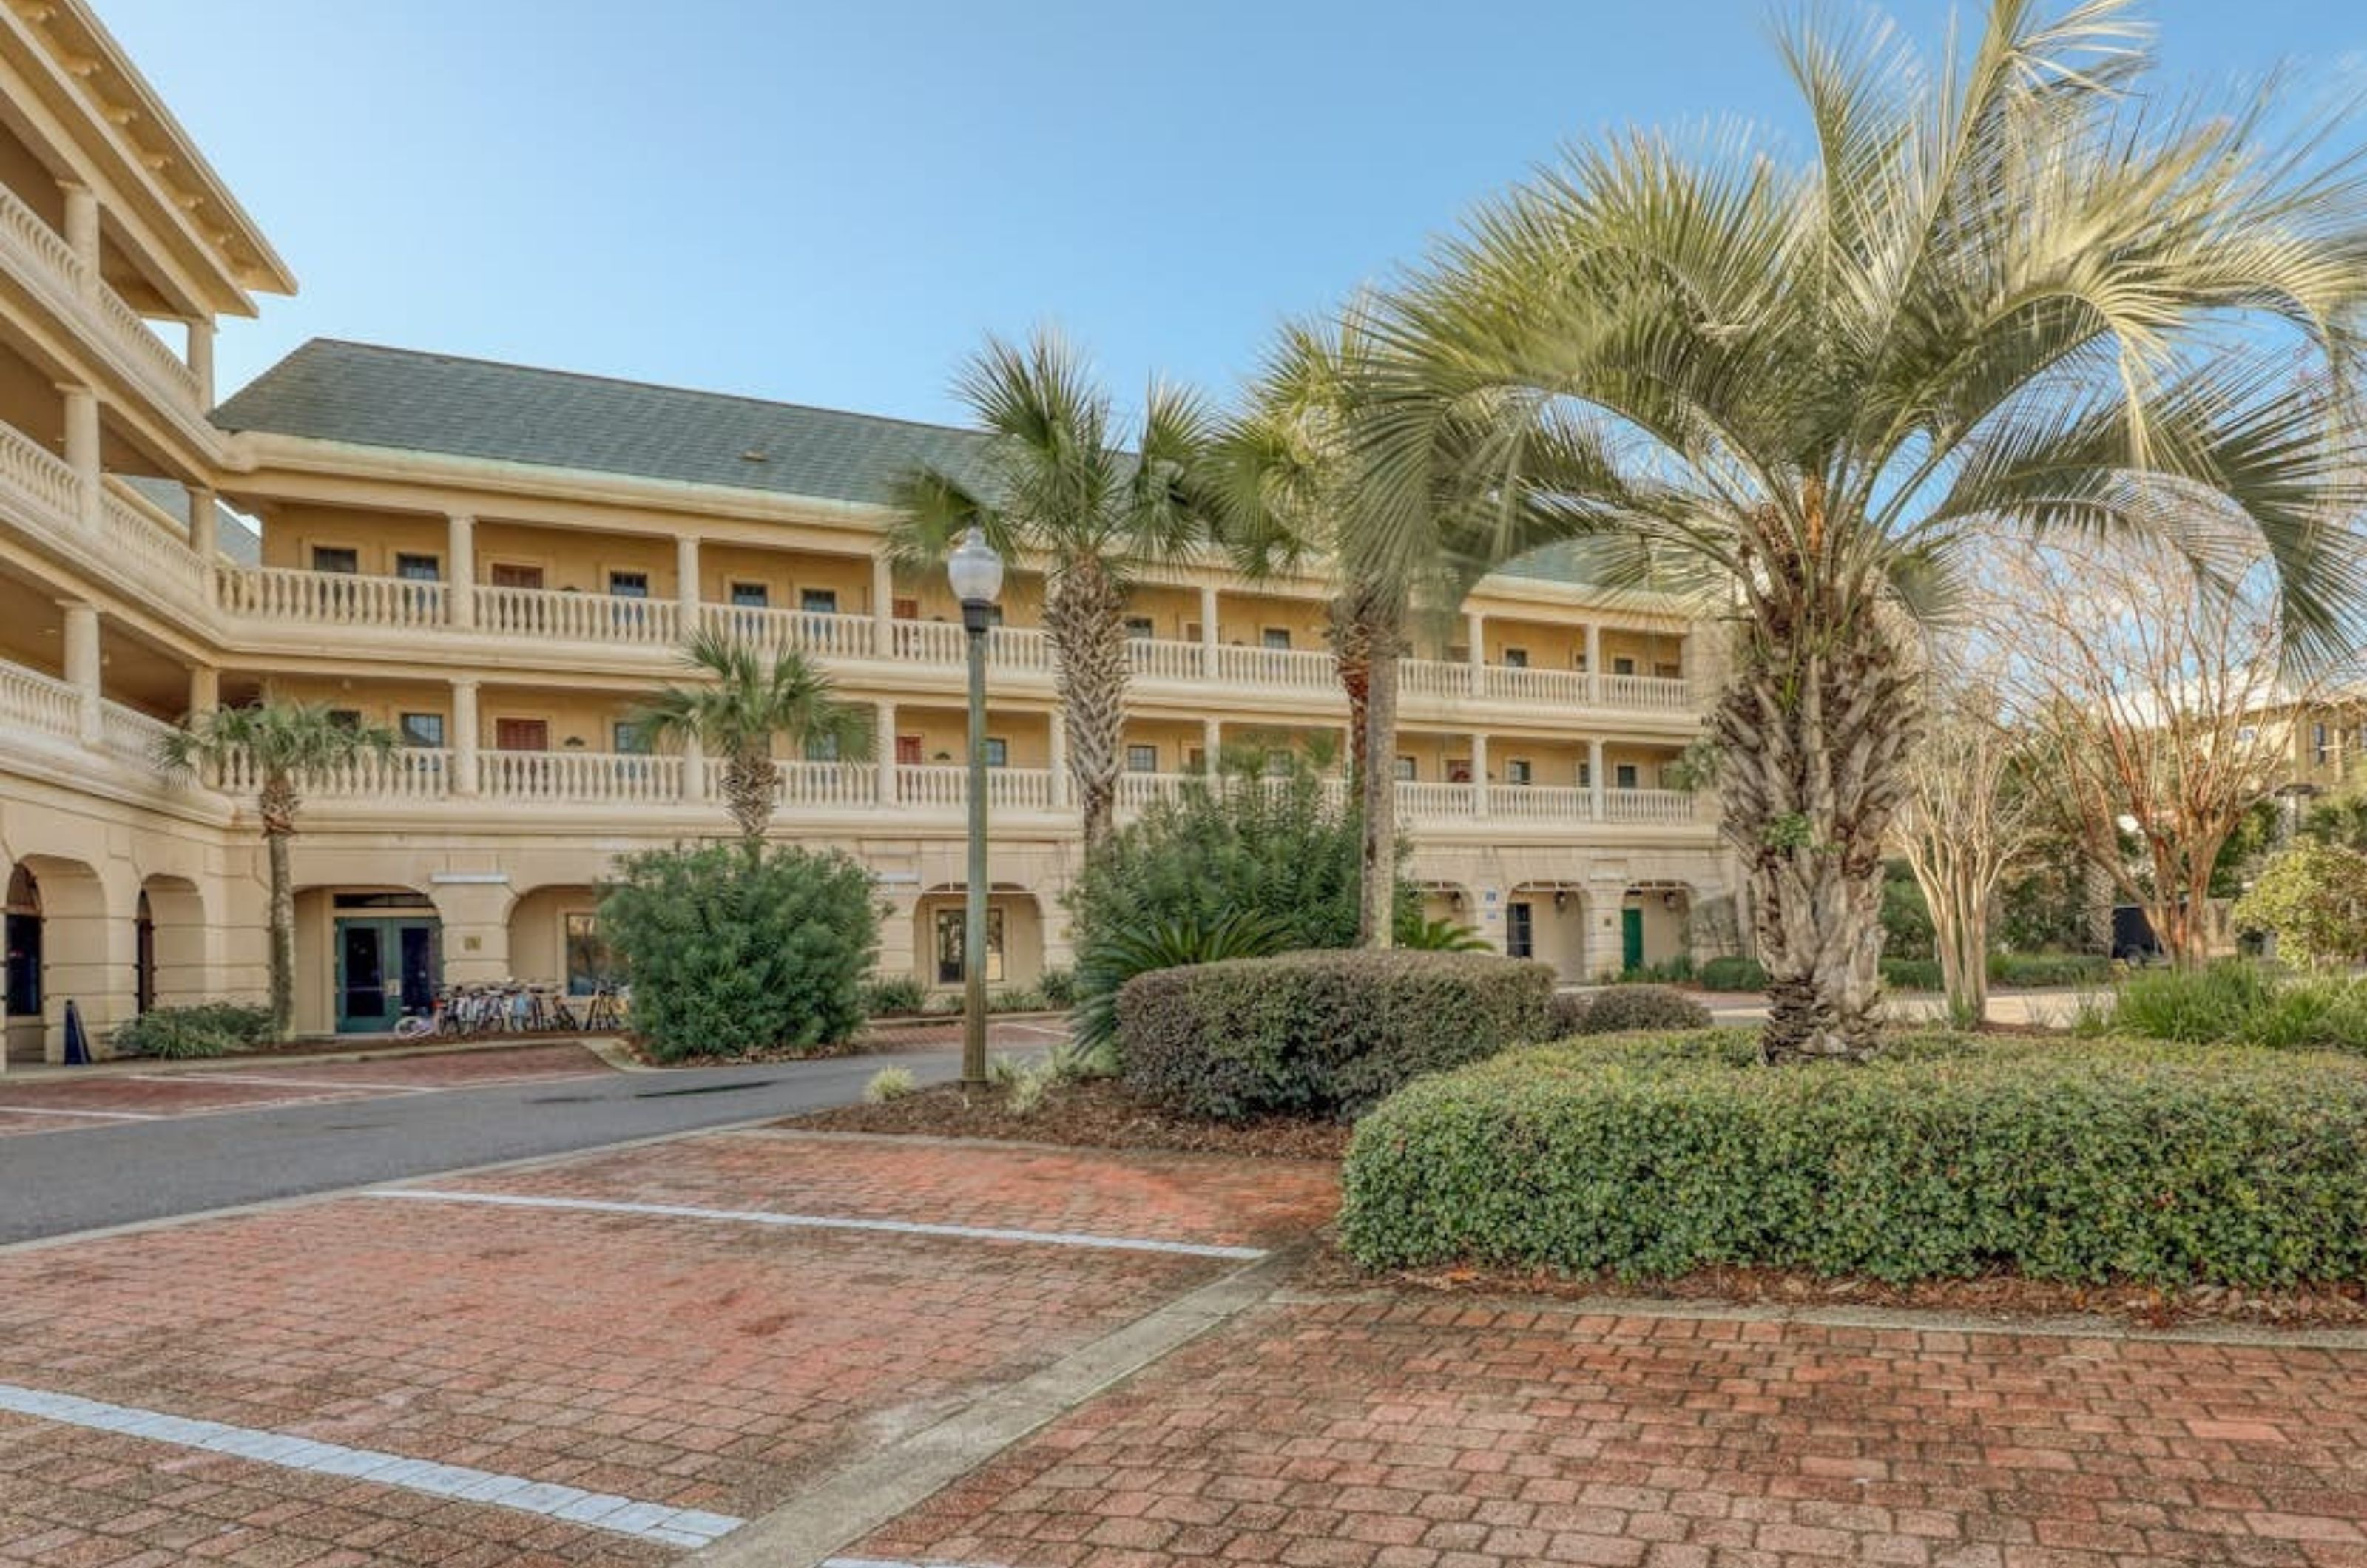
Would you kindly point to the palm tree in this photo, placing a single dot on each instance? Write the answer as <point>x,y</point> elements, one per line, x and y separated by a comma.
<point>1056,485</point>
<point>2005,296</point>
<point>282,746</point>
<point>736,714</point>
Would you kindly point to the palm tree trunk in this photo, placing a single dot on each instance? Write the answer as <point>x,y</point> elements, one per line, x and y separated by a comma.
<point>1378,786</point>
<point>750,781</point>
<point>1814,729</point>
<point>1352,658</point>
<point>1085,614</point>
<point>283,934</point>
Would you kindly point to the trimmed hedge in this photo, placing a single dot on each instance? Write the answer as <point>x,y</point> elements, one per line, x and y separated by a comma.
<point>1732,974</point>
<point>1623,1010</point>
<point>2049,969</point>
<point>1320,1034</point>
<point>2093,1162</point>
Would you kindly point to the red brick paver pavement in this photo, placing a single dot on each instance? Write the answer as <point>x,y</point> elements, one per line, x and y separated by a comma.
<point>1417,1435</point>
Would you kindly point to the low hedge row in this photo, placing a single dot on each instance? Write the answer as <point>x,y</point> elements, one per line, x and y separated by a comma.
<point>2098,1161</point>
<point>1732,974</point>
<point>1622,1009</point>
<point>1320,1034</point>
<point>206,1029</point>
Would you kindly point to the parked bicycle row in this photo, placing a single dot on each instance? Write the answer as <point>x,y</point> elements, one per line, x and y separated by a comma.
<point>519,1006</point>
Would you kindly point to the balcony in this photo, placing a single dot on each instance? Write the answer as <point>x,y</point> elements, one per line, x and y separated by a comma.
<point>1437,805</point>
<point>40,255</point>
<point>48,726</point>
<point>115,533</point>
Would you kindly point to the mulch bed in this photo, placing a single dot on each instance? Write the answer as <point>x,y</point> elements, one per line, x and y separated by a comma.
<point>1094,1114</point>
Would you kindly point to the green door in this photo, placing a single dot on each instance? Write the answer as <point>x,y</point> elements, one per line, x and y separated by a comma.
<point>386,968</point>
<point>1631,939</point>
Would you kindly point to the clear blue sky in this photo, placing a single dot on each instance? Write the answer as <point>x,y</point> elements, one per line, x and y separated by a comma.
<point>830,203</point>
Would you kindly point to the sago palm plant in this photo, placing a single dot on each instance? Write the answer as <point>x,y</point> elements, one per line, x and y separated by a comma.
<point>748,701</point>
<point>281,747</point>
<point>1058,485</point>
<point>2005,292</point>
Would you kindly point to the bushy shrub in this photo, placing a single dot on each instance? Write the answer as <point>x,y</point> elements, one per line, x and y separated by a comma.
<point>1320,1034</point>
<point>1017,999</point>
<point>209,1029</point>
<point>890,1083</point>
<point>2240,1003</point>
<point>886,995</point>
<point>1059,988</point>
<point>1625,1009</point>
<point>1732,974</point>
<point>1653,1156</point>
<point>1668,970</point>
<point>2049,969</point>
<point>733,950</point>
<point>1911,974</point>
<point>2313,898</point>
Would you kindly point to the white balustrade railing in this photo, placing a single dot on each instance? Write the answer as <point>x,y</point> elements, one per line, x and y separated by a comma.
<point>1507,683</point>
<point>809,631</point>
<point>24,234</point>
<point>925,642</point>
<point>1540,803</point>
<point>407,774</point>
<point>153,355</point>
<point>1156,659</point>
<point>142,540</point>
<point>1432,802</point>
<point>1018,648</point>
<point>1434,678</point>
<point>831,786</point>
<point>130,736</point>
<point>39,475</point>
<point>1659,806</point>
<point>327,598</point>
<point>1276,667</point>
<point>39,702</point>
<point>580,778</point>
<point>42,255</point>
<point>1136,791</point>
<point>1656,691</point>
<point>578,617</point>
<point>1018,789</point>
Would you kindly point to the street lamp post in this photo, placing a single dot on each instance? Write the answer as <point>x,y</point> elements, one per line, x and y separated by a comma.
<point>975,573</point>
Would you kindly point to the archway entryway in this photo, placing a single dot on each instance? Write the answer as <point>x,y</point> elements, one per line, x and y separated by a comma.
<point>63,946</point>
<point>1654,924</point>
<point>365,958</point>
<point>1546,921</point>
<point>1014,936</point>
<point>169,968</point>
<point>555,936</point>
<point>21,1013</point>
<point>1451,902</point>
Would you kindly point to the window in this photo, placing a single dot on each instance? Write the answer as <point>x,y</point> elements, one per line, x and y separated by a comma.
<point>907,751</point>
<point>1458,653</point>
<point>951,932</point>
<point>2322,742</point>
<point>1623,666</point>
<point>24,970</point>
<point>1195,760</point>
<point>422,730</point>
<point>521,735</point>
<point>1142,758</point>
<point>822,748</point>
<point>1577,658</point>
<point>345,718</point>
<point>1624,774</point>
<point>904,609</point>
<point>1458,770</point>
<point>819,600</point>
<point>1520,931</point>
<point>1670,672</point>
<point>998,752</point>
<point>1517,772</point>
<point>590,961</point>
<point>629,585</point>
<point>1585,775</point>
<point>510,574</point>
<point>632,739</point>
<point>1141,628</point>
<point>419,569</point>
<point>1191,631</point>
<point>336,558</point>
<point>750,596</point>
<point>2248,734</point>
<point>1408,770</point>
<point>1516,659</point>
<point>1275,636</point>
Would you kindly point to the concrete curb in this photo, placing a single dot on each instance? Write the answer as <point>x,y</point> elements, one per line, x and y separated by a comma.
<point>890,1482</point>
<point>120,1066</point>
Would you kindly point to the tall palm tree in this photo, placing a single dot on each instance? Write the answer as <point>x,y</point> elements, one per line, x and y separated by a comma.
<point>1056,484</point>
<point>283,745</point>
<point>746,702</point>
<point>2004,294</point>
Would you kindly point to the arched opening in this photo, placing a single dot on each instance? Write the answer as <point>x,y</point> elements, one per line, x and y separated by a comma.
<point>555,937</point>
<point>1014,936</point>
<point>1655,925</point>
<point>1452,902</point>
<point>1546,921</point>
<point>22,1016</point>
<point>171,967</point>
<point>365,958</point>
<point>144,956</point>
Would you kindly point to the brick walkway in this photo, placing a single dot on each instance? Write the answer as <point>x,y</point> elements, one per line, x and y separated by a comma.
<point>1419,1434</point>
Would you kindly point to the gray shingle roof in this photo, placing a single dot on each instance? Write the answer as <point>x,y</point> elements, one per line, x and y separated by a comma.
<point>373,396</point>
<point>233,533</point>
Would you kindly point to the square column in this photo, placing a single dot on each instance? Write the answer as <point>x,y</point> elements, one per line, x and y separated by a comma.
<point>460,568</point>
<point>686,581</point>
<point>464,738</point>
<point>82,668</point>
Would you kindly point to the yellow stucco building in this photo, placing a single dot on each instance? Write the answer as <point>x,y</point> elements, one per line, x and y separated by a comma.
<point>499,561</point>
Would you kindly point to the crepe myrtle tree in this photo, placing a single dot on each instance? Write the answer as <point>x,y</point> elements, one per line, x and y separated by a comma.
<point>2009,293</point>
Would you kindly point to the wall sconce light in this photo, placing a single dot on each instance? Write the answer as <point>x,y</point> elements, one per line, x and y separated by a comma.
<point>1561,899</point>
<point>1454,899</point>
<point>1668,899</point>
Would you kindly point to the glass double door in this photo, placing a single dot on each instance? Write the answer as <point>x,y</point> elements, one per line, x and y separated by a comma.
<point>387,968</point>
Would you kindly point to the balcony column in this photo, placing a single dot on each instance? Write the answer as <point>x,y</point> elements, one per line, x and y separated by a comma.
<point>694,769</point>
<point>202,357</point>
<point>884,749</point>
<point>1212,742</point>
<point>81,233</point>
<point>1474,637</point>
<point>1594,661</point>
<point>460,568</point>
<point>883,612</point>
<point>1059,758</point>
<point>1479,776</point>
<point>1208,644</point>
<point>205,525</point>
<point>686,587</point>
<point>82,448</point>
<point>464,736</point>
<point>1595,775</point>
<point>205,690</point>
<point>83,667</point>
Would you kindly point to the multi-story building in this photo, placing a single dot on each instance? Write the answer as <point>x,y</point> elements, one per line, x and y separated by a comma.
<point>500,563</point>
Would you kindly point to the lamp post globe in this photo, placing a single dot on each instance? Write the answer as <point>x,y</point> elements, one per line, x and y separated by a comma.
<point>974,571</point>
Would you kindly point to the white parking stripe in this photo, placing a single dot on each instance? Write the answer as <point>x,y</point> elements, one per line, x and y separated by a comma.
<point>349,1088</point>
<point>822,1222</point>
<point>107,1115</point>
<point>600,1510</point>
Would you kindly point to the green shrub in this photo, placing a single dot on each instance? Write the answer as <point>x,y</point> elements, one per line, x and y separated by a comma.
<point>1119,956</point>
<point>1623,1010</point>
<point>890,1083</point>
<point>1668,971</point>
<point>2243,1004</point>
<point>2049,969</point>
<point>1911,974</point>
<point>2313,898</point>
<point>209,1029</point>
<point>1653,1156</point>
<point>1059,988</point>
<point>887,995</point>
<point>1732,974</point>
<point>734,951</point>
<point>1015,998</point>
<point>1440,936</point>
<point>1320,1034</point>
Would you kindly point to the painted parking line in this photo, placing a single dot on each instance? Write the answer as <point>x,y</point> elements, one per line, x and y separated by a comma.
<point>825,1222</point>
<point>601,1510</point>
<point>347,1087</point>
<point>103,1115</point>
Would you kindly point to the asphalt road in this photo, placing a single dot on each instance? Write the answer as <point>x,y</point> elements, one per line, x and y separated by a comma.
<point>59,1183</point>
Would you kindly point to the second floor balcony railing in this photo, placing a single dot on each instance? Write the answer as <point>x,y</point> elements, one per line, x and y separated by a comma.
<point>42,258</point>
<point>328,599</point>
